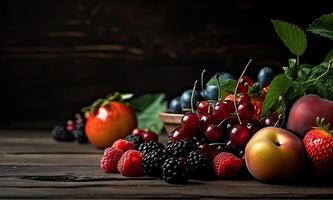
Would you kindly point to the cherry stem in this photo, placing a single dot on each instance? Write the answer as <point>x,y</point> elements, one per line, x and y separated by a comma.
<point>235,92</point>
<point>194,86</point>
<point>202,81</point>
<point>217,76</point>
<point>224,120</point>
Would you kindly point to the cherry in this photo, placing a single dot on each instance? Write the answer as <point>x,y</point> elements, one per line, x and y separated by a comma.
<point>222,110</point>
<point>246,111</point>
<point>209,150</point>
<point>191,123</point>
<point>138,132</point>
<point>207,119</point>
<point>203,107</point>
<point>243,98</point>
<point>149,135</point>
<point>213,133</point>
<point>240,135</point>
<point>253,126</point>
<point>270,120</point>
<point>244,84</point>
<point>179,134</point>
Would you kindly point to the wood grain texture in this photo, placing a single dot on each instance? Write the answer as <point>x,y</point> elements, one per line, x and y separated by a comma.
<point>33,166</point>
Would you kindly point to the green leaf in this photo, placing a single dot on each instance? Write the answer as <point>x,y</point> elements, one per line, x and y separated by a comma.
<point>278,87</point>
<point>292,36</point>
<point>323,26</point>
<point>227,87</point>
<point>291,70</point>
<point>148,108</point>
<point>329,56</point>
<point>127,96</point>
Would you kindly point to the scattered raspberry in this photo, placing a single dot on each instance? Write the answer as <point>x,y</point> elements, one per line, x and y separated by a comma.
<point>130,163</point>
<point>123,145</point>
<point>110,159</point>
<point>226,165</point>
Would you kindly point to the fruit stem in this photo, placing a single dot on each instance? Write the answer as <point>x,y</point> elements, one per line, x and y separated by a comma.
<point>235,92</point>
<point>217,76</point>
<point>202,81</point>
<point>194,86</point>
<point>224,120</point>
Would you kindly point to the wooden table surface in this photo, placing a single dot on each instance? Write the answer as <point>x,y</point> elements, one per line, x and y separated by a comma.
<point>34,166</point>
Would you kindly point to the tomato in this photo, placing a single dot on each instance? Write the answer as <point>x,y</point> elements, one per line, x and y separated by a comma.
<point>109,123</point>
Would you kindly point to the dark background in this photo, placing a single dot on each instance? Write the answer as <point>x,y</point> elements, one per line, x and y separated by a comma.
<point>58,55</point>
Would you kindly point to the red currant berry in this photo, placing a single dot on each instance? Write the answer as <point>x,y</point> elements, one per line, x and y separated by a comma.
<point>270,120</point>
<point>244,84</point>
<point>222,110</point>
<point>207,119</point>
<point>253,126</point>
<point>246,111</point>
<point>191,123</point>
<point>203,107</point>
<point>240,135</point>
<point>213,133</point>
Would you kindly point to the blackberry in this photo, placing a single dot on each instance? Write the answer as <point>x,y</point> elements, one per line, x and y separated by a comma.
<point>59,133</point>
<point>149,146</point>
<point>153,161</point>
<point>181,148</point>
<point>135,139</point>
<point>200,165</point>
<point>80,135</point>
<point>175,170</point>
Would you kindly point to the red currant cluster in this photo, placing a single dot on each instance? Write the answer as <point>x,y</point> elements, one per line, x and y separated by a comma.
<point>225,125</point>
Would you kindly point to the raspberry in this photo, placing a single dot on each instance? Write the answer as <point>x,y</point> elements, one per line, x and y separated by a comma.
<point>226,165</point>
<point>110,159</point>
<point>130,163</point>
<point>123,145</point>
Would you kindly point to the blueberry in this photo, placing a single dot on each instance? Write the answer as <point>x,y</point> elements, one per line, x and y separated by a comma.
<point>265,76</point>
<point>211,92</point>
<point>185,99</point>
<point>174,106</point>
<point>226,76</point>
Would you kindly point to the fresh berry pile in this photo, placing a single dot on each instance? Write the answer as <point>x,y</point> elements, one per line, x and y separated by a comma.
<point>73,130</point>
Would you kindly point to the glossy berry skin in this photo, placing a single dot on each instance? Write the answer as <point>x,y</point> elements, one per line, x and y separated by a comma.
<point>246,111</point>
<point>223,109</point>
<point>240,135</point>
<point>191,123</point>
<point>244,84</point>
<point>149,135</point>
<point>185,99</point>
<point>319,148</point>
<point>253,126</point>
<point>206,120</point>
<point>213,133</point>
<point>270,120</point>
<point>138,132</point>
<point>265,76</point>
<point>109,123</point>
<point>209,150</point>
<point>211,92</point>
<point>203,107</point>
<point>175,106</point>
<point>243,98</point>
<point>179,134</point>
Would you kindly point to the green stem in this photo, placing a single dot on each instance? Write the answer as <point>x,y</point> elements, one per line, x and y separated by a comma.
<point>297,61</point>
<point>319,77</point>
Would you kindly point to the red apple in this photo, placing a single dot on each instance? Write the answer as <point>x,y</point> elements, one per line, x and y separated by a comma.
<point>304,112</point>
<point>274,154</point>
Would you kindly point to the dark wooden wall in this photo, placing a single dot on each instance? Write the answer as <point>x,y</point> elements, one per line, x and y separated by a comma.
<point>58,55</point>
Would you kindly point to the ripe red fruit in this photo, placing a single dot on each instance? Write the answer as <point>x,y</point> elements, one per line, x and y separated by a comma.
<point>210,151</point>
<point>246,111</point>
<point>243,98</point>
<point>240,135</point>
<point>123,145</point>
<point>213,133</point>
<point>110,159</point>
<point>130,163</point>
<point>149,135</point>
<point>191,123</point>
<point>203,107</point>
<point>206,120</point>
<point>138,132</point>
<point>226,165</point>
<point>222,110</point>
<point>318,143</point>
